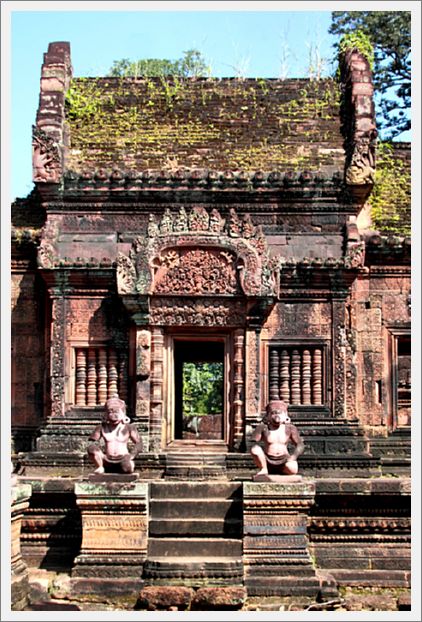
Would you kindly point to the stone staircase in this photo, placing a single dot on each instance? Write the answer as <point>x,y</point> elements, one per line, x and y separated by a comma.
<point>195,534</point>
<point>201,460</point>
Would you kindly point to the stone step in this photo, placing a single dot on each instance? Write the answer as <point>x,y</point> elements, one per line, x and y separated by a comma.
<point>196,490</point>
<point>196,527</point>
<point>194,547</point>
<point>214,508</point>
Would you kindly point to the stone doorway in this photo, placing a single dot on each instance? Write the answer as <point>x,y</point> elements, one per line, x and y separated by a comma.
<point>199,415</point>
<point>199,390</point>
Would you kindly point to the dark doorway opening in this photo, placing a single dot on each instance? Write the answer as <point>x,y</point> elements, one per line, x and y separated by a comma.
<point>199,390</point>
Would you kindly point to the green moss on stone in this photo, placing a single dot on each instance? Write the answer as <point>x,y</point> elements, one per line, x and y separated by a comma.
<point>390,200</point>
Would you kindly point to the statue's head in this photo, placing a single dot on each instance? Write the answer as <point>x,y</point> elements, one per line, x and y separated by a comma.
<point>115,411</point>
<point>277,412</point>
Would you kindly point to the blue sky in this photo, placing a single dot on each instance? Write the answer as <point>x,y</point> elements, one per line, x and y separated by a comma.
<point>253,43</point>
<point>249,43</point>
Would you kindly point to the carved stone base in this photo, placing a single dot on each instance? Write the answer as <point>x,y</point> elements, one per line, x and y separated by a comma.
<point>20,494</point>
<point>195,572</point>
<point>114,527</point>
<point>275,544</point>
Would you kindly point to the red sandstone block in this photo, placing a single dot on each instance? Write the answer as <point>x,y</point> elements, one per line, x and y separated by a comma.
<point>209,598</point>
<point>362,88</point>
<point>358,64</point>
<point>164,597</point>
<point>52,84</point>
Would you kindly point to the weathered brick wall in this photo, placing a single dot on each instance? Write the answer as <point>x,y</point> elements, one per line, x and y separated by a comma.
<point>381,304</point>
<point>232,124</point>
<point>28,354</point>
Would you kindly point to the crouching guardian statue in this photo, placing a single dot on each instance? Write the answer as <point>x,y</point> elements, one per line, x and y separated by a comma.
<point>276,433</point>
<point>109,449</point>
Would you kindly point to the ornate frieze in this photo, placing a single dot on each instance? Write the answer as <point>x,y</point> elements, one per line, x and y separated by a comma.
<point>196,312</point>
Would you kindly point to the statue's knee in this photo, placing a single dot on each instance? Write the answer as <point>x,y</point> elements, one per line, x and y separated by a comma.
<point>291,467</point>
<point>93,450</point>
<point>256,450</point>
<point>127,464</point>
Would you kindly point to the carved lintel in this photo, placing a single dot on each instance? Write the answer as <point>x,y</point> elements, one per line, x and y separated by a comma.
<point>183,311</point>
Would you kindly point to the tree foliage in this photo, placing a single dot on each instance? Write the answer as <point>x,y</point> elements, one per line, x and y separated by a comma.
<point>191,65</point>
<point>389,33</point>
<point>202,388</point>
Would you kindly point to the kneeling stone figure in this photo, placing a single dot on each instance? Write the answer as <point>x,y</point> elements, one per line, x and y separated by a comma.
<point>115,431</point>
<point>276,431</point>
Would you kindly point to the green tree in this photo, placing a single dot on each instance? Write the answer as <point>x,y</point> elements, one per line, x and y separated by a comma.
<point>191,65</point>
<point>389,33</point>
<point>202,388</point>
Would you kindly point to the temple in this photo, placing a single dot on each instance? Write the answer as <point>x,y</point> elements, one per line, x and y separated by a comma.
<point>225,221</point>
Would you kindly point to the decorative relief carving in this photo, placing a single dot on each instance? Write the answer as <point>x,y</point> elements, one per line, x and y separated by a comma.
<point>355,255</point>
<point>46,165</point>
<point>126,274</point>
<point>86,319</point>
<point>339,345</point>
<point>361,169</point>
<point>238,387</point>
<point>172,257</point>
<point>143,353</point>
<point>196,312</point>
<point>196,272</point>
<point>47,251</point>
<point>57,356</point>
<point>252,379</point>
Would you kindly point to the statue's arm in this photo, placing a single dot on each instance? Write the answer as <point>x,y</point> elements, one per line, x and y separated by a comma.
<point>96,434</point>
<point>257,433</point>
<point>296,439</point>
<point>136,439</point>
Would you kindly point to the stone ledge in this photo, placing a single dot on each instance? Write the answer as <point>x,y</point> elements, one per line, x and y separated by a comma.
<point>362,486</point>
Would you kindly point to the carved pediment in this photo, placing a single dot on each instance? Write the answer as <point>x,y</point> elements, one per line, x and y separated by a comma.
<point>199,254</point>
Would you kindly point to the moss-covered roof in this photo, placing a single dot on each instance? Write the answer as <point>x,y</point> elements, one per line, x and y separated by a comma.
<point>220,124</point>
<point>390,199</point>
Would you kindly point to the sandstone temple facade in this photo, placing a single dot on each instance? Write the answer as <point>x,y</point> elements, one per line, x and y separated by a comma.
<point>218,220</point>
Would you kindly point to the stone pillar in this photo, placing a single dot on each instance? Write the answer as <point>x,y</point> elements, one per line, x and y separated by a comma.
<point>114,512</point>
<point>238,388</point>
<point>157,380</point>
<point>143,384</point>
<point>275,544</point>
<point>339,357</point>
<point>20,495</point>
<point>252,381</point>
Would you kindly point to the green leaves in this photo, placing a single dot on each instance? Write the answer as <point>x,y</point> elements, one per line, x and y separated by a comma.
<point>389,34</point>
<point>202,388</point>
<point>191,65</point>
<point>357,40</point>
